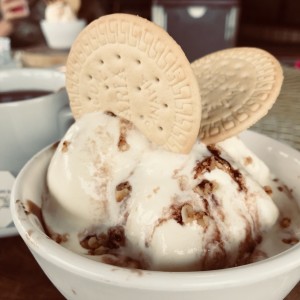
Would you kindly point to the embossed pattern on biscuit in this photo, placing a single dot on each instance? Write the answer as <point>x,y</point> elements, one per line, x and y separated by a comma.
<point>238,86</point>
<point>130,66</point>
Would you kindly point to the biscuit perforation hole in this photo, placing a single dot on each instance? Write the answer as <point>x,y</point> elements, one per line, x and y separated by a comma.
<point>139,88</point>
<point>89,98</point>
<point>157,79</point>
<point>90,76</point>
<point>101,61</point>
<point>160,128</point>
<point>166,105</point>
<point>106,87</point>
<point>118,56</point>
<point>138,61</point>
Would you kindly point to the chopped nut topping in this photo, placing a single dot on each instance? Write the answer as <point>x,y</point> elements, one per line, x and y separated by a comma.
<point>60,238</point>
<point>215,161</point>
<point>100,250</point>
<point>105,242</point>
<point>189,215</point>
<point>248,160</point>
<point>291,241</point>
<point>93,243</point>
<point>123,191</point>
<point>206,187</point>
<point>116,237</point>
<point>183,183</point>
<point>280,189</point>
<point>123,146</point>
<point>285,222</point>
<point>268,190</point>
<point>155,190</point>
<point>65,146</point>
<point>124,127</point>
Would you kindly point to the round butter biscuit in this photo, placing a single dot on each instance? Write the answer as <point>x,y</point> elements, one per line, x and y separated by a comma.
<point>238,86</point>
<point>128,65</point>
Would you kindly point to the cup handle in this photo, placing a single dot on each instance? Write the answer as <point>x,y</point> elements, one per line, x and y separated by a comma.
<point>65,120</point>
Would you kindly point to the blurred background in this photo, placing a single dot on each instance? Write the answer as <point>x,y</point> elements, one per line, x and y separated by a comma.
<point>199,26</point>
<point>203,26</point>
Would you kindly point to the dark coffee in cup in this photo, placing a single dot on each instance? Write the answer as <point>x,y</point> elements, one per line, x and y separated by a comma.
<point>18,95</point>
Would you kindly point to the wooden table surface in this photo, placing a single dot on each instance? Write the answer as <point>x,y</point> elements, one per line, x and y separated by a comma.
<point>21,278</point>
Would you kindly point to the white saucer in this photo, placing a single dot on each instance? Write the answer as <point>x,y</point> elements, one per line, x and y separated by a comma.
<point>7,227</point>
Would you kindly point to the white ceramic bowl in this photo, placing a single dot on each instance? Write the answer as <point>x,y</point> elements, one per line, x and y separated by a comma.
<point>77,277</point>
<point>61,35</point>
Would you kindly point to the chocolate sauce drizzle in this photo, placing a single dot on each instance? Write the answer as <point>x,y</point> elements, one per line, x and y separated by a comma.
<point>216,161</point>
<point>34,209</point>
<point>125,126</point>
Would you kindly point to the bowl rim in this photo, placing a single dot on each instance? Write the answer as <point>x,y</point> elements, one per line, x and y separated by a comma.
<point>63,258</point>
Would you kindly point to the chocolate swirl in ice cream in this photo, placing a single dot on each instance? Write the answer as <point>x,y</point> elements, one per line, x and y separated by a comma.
<point>213,200</point>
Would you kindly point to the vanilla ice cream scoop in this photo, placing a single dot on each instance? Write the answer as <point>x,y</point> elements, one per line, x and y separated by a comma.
<point>119,199</point>
<point>59,11</point>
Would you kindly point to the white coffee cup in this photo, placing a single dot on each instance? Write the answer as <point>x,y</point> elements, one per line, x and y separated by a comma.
<point>61,35</point>
<point>26,126</point>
